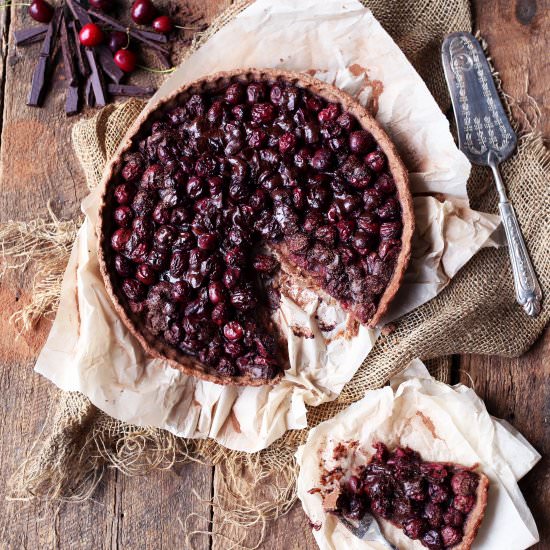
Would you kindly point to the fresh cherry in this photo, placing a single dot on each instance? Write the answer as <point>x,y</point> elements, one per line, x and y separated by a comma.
<point>90,35</point>
<point>117,41</point>
<point>143,12</point>
<point>41,11</point>
<point>163,24</point>
<point>126,60</point>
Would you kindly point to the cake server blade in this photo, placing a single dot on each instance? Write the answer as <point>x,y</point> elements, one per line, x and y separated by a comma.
<point>367,528</point>
<point>486,137</point>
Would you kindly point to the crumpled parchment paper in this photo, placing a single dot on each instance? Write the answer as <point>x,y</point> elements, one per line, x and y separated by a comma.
<point>442,423</point>
<point>90,350</point>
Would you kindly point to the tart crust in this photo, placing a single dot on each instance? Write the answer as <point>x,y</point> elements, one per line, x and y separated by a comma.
<point>471,526</point>
<point>152,112</point>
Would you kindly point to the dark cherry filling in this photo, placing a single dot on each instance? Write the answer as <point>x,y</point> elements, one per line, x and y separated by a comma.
<point>225,174</point>
<point>430,501</point>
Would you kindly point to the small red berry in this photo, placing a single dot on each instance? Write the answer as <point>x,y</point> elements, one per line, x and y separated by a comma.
<point>143,12</point>
<point>126,60</point>
<point>90,35</point>
<point>41,11</point>
<point>163,24</point>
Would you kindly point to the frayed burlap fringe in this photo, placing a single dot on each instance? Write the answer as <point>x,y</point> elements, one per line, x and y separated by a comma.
<point>45,245</point>
<point>477,313</point>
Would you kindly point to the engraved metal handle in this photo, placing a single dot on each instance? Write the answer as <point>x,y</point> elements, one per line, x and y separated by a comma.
<point>528,291</point>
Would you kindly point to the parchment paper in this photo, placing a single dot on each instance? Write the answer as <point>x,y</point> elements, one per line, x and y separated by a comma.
<point>443,423</point>
<point>90,350</point>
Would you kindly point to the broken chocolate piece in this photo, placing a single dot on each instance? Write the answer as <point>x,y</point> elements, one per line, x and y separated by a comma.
<point>98,85</point>
<point>89,92</point>
<point>24,37</point>
<point>82,61</point>
<point>42,70</point>
<point>68,51</point>
<point>110,68</point>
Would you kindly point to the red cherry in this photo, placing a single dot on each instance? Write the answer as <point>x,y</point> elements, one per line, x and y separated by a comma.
<point>90,35</point>
<point>102,5</point>
<point>143,12</point>
<point>126,60</point>
<point>41,11</point>
<point>163,24</point>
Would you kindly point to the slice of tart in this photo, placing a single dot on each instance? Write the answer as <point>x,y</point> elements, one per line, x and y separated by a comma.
<point>222,183</point>
<point>438,504</point>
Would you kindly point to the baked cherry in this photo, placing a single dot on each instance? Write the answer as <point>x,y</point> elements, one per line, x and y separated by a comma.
<point>123,216</point>
<point>361,141</point>
<point>41,11</point>
<point>234,93</point>
<point>451,536</point>
<point>146,274</point>
<point>90,35</point>
<point>464,483</point>
<point>376,161</point>
<point>134,290</point>
<point>233,331</point>
<point>163,24</point>
<point>143,12</point>
<point>123,266</point>
<point>120,238</point>
<point>126,60</point>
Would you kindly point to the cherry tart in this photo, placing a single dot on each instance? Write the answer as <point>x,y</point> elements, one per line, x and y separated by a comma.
<point>229,180</point>
<point>439,504</point>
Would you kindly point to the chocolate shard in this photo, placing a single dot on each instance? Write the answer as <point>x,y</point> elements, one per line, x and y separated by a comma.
<point>154,36</point>
<point>89,92</point>
<point>82,61</point>
<point>137,34</point>
<point>110,68</point>
<point>69,55</point>
<point>45,62</point>
<point>98,86</point>
<point>79,12</point>
<point>24,37</point>
<point>130,91</point>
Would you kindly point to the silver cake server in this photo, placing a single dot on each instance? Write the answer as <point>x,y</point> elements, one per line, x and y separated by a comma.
<point>367,528</point>
<point>486,137</point>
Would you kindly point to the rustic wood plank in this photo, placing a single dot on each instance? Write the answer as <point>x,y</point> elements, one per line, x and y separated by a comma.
<point>37,164</point>
<point>517,33</point>
<point>291,531</point>
<point>144,512</point>
<point>517,390</point>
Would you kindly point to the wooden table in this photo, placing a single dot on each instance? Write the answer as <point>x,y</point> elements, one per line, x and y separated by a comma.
<point>38,164</point>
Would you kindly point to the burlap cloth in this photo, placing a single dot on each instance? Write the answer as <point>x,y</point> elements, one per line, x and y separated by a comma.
<point>477,313</point>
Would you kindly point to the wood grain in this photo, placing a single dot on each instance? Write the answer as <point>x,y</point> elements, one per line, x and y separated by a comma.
<point>518,36</point>
<point>37,164</point>
<point>517,390</point>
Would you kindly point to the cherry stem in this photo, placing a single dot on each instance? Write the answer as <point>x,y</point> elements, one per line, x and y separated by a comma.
<point>157,71</point>
<point>8,4</point>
